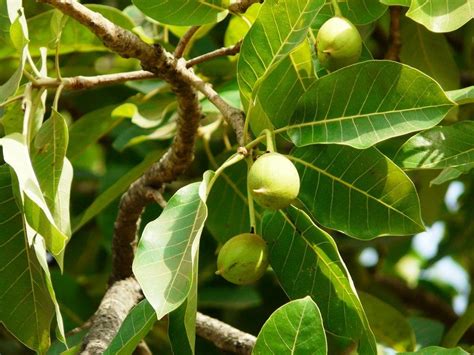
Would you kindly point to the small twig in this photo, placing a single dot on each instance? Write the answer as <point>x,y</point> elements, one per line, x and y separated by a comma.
<point>393,52</point>
<point>242,5</point>
<point>87,82</point>
<point>185,40</point>
<point>224,51</point>
<point>224,336</point>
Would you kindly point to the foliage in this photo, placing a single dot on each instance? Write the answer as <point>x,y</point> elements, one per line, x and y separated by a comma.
<point>377,145</point>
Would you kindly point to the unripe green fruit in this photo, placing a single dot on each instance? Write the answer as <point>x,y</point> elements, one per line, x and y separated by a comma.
<point>243,259</point>
<point>338,43</point>
<point>273,181</point>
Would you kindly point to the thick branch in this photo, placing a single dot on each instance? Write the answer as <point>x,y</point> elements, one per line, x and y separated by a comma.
<point>393,52</point>
<point>224,336</point>
<point>117,302</point>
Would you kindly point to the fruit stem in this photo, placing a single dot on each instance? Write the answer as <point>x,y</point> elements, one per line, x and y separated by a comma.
<point>233,159</point>
<point>269,138</point>
<point>337,9</point>
<point>253,223</point>
<point>454,335</point>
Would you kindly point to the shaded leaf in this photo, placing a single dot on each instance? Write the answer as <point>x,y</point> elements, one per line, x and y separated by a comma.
<point>294,328</point>
<point>429,52</point>
<point>390,326</point>
<point>362,12</point>
<point>427,331</point>
<point>307,262</point>
<point>439,147</point>
<point>359,192</point>
<point>366,103</point>
<point>449,174</point>
<point>26,308</point>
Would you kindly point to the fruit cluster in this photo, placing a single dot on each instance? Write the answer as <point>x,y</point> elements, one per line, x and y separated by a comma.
<point>273,180</point>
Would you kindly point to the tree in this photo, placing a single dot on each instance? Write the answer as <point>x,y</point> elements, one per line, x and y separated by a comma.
<point>128,132</point>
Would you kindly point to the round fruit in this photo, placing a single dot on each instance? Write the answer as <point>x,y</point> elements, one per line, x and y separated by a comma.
<point>273,181</point>
<point>243,259</point>
<point>338,43</point>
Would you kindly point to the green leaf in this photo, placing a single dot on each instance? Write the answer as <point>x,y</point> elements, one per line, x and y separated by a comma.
<point>134,328</point>
<point>441,15</point>
<point>427,331</point>
<point>390,327</point>
<point>165,266</point>
<point>184,12</point>
<point>449,174</point>
<point>462,96</point>
<point>306,261</point>
<point>26,308</point>
<point>233,298</point>
<point>430,53</point>
<point>114,191</point>
<point>182,323</point>
<point>439,147</point>
<point>280,26</point>
<point>436,350</point>
<point>240,25</point>
<point>37,213</point>
<point>74,37</point>
<point>89,128</point>
<point>229,193</point>
<point>294,328</point>
<point>366,103</point>
<point>362,12</point>
<point>359,192</point>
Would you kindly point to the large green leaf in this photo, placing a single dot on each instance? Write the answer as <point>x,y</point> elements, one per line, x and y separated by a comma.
<point>441,15</point>
<point>278,29</point>
<point>429,52</point>
<point>36,210</point>
<point>436,350</point>
<point>366,103</point>
<point>136,325</point>
<point>390,327</point>
<point>166,257</point>
<point>184,12</point>
<point>307,262</point>
<point>294,328</point>
<point>359,192</point>
<point>26,308</point>
<point>462,96</point>
<point>439,147</point>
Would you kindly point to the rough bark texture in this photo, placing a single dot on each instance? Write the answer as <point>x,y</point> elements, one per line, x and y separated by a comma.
<point>113,309</point>
<point>224,336</point>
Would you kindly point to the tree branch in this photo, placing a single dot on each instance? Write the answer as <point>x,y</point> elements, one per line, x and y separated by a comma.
<point>224,336</point>
<point>184,41</point>
<point>393,52</point>
<point>242,5</point>
<point>224,51</point>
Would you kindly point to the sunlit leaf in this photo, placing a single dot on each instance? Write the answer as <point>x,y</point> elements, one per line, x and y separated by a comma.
<point>366,103</point>
<point>335,179</point>
<point>294,328</point>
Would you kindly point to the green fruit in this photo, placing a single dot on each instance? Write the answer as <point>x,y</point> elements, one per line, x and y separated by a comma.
<point>338,43</point>
<point>243,259</point>
<point>273,181</point>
